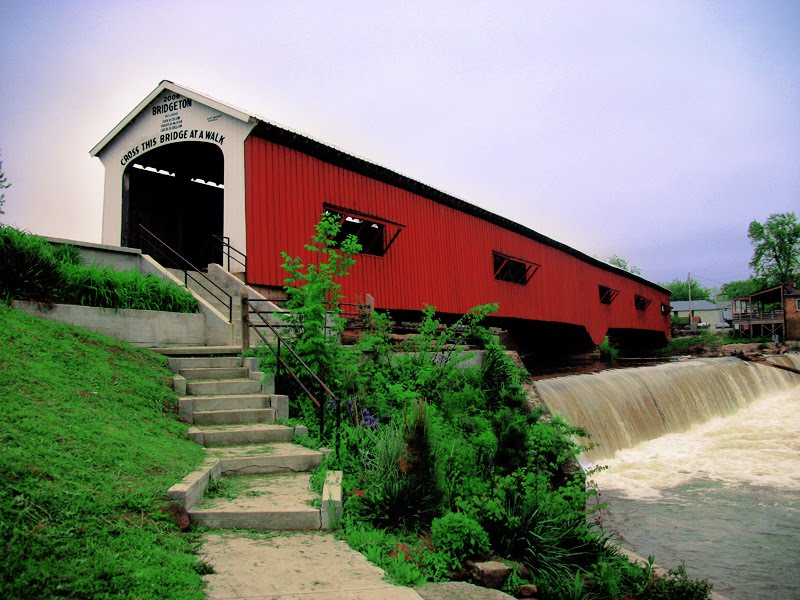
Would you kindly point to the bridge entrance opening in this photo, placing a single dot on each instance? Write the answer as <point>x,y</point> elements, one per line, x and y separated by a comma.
<point>177,193</point>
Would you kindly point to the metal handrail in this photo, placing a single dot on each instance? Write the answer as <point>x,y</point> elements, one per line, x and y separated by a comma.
<point>247,324</point>
<point>227,300</point>
<point>223,242</point>
<point>351,312</point>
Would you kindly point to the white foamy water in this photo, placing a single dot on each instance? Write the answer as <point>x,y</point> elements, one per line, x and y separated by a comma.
<point>758,445</point>
<point>623,408</point>
<point>722,497</point>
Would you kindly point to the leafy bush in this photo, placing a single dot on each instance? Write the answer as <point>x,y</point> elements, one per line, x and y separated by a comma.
<point>456,466</point>
<point>459,537</point>
<point>29,269</point>
<point>33,269</point>
<point>608,351</point>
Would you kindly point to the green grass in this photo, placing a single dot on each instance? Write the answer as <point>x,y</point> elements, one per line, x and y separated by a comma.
<point>704,340</point>
<point>89,444</point>
<point>31,268</point>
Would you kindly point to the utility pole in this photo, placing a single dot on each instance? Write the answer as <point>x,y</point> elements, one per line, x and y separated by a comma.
<point>692,324</point>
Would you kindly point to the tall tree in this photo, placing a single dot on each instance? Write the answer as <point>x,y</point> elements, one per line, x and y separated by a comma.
<point>776,248</point>
<point>3,186</point>
<point>680,290</point>
<point>623,264</point>
<point>740,288</point>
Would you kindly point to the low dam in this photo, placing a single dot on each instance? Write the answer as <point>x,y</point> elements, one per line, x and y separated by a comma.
<point>624,407</point>
<point>702,466</point>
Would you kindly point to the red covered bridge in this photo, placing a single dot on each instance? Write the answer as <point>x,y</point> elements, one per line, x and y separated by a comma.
<point>221,171</point>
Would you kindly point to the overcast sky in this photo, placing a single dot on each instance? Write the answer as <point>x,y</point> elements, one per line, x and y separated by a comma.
<point>652,130</point>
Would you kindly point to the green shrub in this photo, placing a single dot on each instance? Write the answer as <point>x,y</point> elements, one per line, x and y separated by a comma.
<point>608,351</point>
<point>397,469</point>
<point>501,379</point>
<point>459,537</point>
<point>31,268</point>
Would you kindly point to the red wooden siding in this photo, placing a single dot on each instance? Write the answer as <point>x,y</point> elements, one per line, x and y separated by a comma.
<point>442,257</point>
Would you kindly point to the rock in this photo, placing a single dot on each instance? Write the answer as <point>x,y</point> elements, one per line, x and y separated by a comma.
<point>178,514</point>
<point>526,591</point>
<point>459,590</point>
<point>491,574</point>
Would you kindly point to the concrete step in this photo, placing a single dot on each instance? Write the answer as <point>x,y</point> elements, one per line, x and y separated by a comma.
<point>222,386</point>
<point>273,458</point>
<point>195,373</point>
<point>196,351</point>
<point>236,416</point>
<point>177,364</point>
<point>233,435</point>
<point>191,404</point>
<point>262,502</point>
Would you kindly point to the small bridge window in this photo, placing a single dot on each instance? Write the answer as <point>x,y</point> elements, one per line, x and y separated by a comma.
<point>641,302</point>
<point>513,270</point>
<point>664,309</point>
<point>607,294</point>
<point>375,235</point>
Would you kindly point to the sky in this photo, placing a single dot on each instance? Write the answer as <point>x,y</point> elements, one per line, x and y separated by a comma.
<point>655,131</point>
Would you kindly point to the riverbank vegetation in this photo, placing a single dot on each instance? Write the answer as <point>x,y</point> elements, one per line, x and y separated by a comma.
<point>31,268</point>
<point>89,444</point>
<point>445,462</point>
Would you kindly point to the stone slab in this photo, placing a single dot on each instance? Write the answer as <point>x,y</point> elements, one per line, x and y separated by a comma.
<point>231,416</point>
<point>459,590</point>
<point>293,567</point>
<point>218,437</point>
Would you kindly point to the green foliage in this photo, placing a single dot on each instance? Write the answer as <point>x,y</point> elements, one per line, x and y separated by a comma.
<point>776,249</point>
<point>397,476</point>
<point>33,269</point>
<point>88,445</point>
<point>314,294</point>
<point>501,379</point>
<point>680,290</point>
<point>608,351</point>
<point>741,288</point>
<point>459,537</point>
<point>4,185</point>
<point>702,341</point>
<point>621,263</point>
<point>443,461</point>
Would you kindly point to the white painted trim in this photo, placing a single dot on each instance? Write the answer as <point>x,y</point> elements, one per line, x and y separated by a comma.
<point>184,91</point>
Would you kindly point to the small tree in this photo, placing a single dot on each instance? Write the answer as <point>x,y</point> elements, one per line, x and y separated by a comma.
<point>623,264</point>
<point>776,248</point>
<point>739,288</point>
<point>680,290</point>
<point>314,296</point>
<point>4,185</point>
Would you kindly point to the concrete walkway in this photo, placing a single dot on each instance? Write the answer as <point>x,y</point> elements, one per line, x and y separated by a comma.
<point>292,566</point>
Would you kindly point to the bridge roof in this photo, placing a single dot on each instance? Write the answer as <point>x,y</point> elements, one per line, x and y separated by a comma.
<point>329,153</point>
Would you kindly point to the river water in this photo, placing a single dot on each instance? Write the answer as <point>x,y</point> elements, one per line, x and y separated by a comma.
<point>723,497</point>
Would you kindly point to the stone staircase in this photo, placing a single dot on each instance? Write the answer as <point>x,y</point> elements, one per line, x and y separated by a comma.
<point>229,284</point>
<point>253,477</point>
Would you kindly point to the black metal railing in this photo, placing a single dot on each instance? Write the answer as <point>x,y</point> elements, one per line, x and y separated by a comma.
<point>276,347</point>
<point>229,253</point>
<point>354,314</point>
<point>158,248</point>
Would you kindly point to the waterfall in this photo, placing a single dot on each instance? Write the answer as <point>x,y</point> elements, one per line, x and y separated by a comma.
<point>621,408</point>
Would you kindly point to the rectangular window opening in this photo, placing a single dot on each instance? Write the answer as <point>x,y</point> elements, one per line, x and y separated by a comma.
<point>370,235</point>
<point>513,270</point>
<point>375,235</point>
<point>641,302</point>
<point>607,294</point>
<point>664,309</point>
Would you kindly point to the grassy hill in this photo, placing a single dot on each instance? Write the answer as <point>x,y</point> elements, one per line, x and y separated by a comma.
<point>89,444</point>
